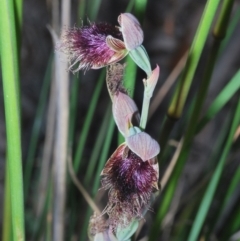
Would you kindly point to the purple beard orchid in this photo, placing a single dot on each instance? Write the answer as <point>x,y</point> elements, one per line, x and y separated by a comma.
<point>131,173</point>
<point>98,45</point>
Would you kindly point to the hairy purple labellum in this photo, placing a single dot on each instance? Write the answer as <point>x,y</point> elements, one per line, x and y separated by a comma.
<point>130,181</point>
<point>93,46</point>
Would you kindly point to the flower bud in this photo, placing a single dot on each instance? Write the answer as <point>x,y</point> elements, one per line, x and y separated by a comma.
<point>151,81</point>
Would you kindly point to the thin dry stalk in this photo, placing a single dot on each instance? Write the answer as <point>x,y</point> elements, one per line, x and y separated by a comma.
<point>60,158</point>
<point>171,166</point>
<point>55,15</point>
<point>80,187</point>
<point>167,85</point>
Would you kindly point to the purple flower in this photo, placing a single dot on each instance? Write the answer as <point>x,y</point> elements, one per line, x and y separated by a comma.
<point>93,46</point>
<point>130,181</point>
<point>98,45</point>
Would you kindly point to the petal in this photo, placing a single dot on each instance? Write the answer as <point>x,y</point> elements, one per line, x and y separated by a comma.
<point>131,30</point>
<point>124,109</point>
<point>115,58</point>
<point>118,56</point>
<point>143,145</point>
<point>115,44</point>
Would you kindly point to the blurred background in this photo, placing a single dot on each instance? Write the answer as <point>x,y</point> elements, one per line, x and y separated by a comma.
<point>169,28</point>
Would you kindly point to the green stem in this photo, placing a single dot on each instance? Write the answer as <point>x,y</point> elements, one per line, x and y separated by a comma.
<point>9,61</point>
<point>145,108</point>
<point>73,109</point>
<point>7,227</point>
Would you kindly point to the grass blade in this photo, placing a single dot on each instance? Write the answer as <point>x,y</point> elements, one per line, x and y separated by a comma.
<point>178,102</point>
<point>207,199</point>
<point>36,127</point>
<point>10,74</point>
<point>224,96</point>
<point>7,222</point>
<point>88,121</point>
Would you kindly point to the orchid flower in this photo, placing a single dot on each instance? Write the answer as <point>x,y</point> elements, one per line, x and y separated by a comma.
<point>98,45</point>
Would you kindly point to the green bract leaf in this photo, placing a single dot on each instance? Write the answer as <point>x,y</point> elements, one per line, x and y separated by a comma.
<point>140,57</point>
<point>124,234</point>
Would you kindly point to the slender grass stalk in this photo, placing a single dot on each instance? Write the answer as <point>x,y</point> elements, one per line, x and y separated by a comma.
<point>75,85</point>
<point>130,6</point>
<point>92,14</point>
<point>140,8</point>
<point>102,160</point>
<point>232,226</point>
<point>196,195</point>
<point>93,8</point>
<point>224,96</point>
<point>49,221</point>
<point>196,110</point>
<point>207,199</point>
<point>177,104</point>
<point>232,26</point>
<point>232,188</point>
<point>73,109</point>
<point>18,14</point>
<point>36,127</point>
<point>80,187</point>
<point>10,76</point>
<point>55,16</point>
<point>97,149</point>
<point>76,81</point>
<point>219,33</point>
<point>87,122</point>
<point>7,227</point>
<point>104,154</point>
<point>40,223</point>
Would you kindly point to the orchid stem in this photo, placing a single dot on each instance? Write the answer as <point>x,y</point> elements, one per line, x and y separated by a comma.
<point>145,108</point>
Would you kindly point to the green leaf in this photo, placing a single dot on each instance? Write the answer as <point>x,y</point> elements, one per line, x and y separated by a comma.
<point>10,76</point>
